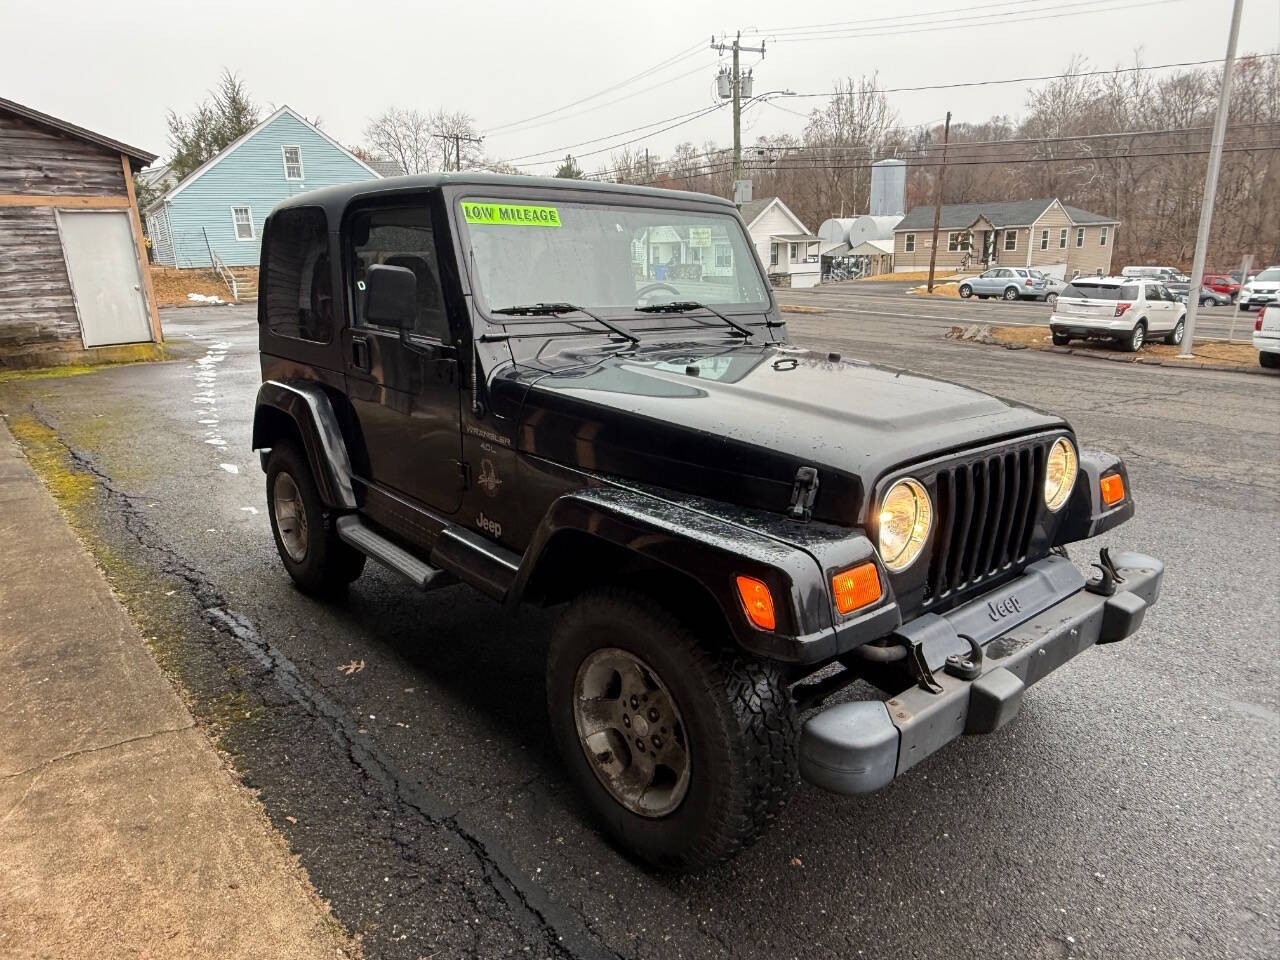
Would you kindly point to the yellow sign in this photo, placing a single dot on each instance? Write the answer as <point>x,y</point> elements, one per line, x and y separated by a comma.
<point>510,214</point>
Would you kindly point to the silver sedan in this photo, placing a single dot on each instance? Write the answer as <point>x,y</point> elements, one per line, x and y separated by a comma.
<point>1008,283</point>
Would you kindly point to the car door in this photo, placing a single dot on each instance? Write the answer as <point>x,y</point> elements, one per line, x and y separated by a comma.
<point>403,385</point>
<point>993,281</point>
<point>1169,307</point>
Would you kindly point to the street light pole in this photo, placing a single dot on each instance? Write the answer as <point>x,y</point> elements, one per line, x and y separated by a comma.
<point>1211,183</point>
<point>937,202</point>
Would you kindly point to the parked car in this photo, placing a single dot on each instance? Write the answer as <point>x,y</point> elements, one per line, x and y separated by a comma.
<point>1220,283</point>
<point>1208,296</point>
<point>1266,335</point>
<point>1123,309</point>
<point>1008,283</point>
<point>1261,290</point>
<point>722,514</point>
<point>1236,276</point>
<point>1052,286</point>
<point>1163,274</point>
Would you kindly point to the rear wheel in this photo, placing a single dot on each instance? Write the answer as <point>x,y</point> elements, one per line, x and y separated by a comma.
<point>684,749</point>
<point>1051,299</point>
<point>1011,293</point>
<point>1136,338</point>
<point>1061,339</point>
<point>1269,360</point>
<point>966,291</point>
<point>304,530</point>
<point>1174,336</point>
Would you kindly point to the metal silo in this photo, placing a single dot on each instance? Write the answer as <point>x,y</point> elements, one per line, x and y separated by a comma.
<point>888,188</point>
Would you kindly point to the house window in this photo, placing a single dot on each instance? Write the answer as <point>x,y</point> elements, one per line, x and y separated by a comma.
<point>958,241</point>
<point>1011,240</point>
<point>1044,239</point>
<point>724,255</point>
<point>1102,237</point>
<point>1062,239</point>
<point>773,254</point>
<point>242,220</point>
<point>909,243</point>
<point>1079,236</point>
<point>292,163</point>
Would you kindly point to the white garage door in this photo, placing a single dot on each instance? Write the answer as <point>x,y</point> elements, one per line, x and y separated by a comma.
<point>103,266</point>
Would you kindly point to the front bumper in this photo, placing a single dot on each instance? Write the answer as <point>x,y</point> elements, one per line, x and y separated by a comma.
<point>862,746</point>
<point>1259,299</point>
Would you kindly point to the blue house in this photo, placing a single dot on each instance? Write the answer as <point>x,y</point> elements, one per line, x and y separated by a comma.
<point>219,208</point>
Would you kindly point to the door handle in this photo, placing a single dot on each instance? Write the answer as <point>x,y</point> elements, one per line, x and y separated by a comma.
<point>360,353</point>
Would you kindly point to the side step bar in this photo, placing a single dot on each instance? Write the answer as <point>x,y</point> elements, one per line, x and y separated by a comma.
<point>372,544</point>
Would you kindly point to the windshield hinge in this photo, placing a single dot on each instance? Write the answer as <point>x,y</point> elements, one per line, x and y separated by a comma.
<point>803,493</point>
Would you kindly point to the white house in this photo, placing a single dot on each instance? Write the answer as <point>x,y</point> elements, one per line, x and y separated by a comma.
<point>787,248</point>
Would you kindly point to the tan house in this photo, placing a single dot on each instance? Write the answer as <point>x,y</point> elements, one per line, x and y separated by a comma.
<point>1047,234</point>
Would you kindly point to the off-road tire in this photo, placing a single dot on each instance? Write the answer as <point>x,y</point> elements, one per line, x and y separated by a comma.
<point>1136,338</point>
<point>1174,336</point>
<point>966,291</point>
<point>1061,339</point>
<point>329,564</point>
<point>740,722</point>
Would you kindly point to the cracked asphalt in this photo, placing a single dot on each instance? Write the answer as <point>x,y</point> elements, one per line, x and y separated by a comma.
<point>399,740</point>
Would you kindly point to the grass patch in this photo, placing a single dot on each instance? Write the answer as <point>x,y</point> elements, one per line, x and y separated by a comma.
<point>47,373</point>
<point>1228,354</point>
<point>48,457</point>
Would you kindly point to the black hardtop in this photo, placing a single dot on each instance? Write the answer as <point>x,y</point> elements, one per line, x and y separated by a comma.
<point>335,200</point>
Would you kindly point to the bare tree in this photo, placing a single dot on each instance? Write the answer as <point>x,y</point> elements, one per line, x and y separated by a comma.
<point>405,136</point>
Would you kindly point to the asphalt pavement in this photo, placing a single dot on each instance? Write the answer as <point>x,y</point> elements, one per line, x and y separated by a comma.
<point>399,741</point>
<point>889,300</point>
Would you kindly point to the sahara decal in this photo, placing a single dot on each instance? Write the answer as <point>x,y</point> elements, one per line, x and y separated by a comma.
<point>510,214</point>
<point>488,480</point>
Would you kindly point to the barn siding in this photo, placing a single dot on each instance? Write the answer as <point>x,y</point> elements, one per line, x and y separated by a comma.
<point>36,304</point>
<point>37,161</point>
<point>251,174</point>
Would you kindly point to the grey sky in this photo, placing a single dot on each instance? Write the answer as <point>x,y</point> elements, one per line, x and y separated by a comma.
<point>117,69</point>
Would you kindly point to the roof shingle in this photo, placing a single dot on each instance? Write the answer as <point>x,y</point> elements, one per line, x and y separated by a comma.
<point>1003,213</point>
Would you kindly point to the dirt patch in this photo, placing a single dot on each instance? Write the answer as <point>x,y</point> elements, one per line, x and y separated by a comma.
<point>172,285</point>
<point>1241,356</point>
<point>799,308</point>
<point>950,289</point>
<point>914,276</point>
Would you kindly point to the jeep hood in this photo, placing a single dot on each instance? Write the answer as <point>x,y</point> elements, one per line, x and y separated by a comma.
<point>734,423</point>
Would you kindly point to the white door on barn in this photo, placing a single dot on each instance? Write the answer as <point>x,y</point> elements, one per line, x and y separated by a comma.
<point>103,266</point>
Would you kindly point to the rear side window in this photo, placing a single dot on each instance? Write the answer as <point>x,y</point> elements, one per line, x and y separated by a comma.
<point>1100,291</point>
<point>299,282</point>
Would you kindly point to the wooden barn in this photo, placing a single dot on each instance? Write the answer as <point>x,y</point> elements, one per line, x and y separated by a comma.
<point>74,283</point>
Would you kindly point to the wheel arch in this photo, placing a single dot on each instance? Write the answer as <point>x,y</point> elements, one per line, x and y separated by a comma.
<point>300,412</point>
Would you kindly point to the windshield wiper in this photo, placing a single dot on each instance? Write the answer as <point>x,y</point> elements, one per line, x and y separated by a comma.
<point>554,309</point>
<point>684,306</point>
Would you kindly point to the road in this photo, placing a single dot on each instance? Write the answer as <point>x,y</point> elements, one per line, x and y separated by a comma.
<point>889,300</point>
<point>399,741</point>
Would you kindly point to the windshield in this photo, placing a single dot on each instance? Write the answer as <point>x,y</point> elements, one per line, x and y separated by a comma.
<point>1269,276</point>
<point>602,256</point>
<point>1100,291</point>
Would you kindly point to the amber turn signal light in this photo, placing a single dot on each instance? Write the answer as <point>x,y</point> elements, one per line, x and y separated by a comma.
<point>757,601</point>
<point>856,587</point>
<point>1112,486</point>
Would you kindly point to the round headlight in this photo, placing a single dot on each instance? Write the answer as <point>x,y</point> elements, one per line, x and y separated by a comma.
<point>1060,473</point>
<point>905,516</point>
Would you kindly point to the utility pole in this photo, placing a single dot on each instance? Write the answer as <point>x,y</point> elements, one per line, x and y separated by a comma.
<point>458,140</point>
<point>937,202</point>
<point>1211,183</point>
<point>736,85</point>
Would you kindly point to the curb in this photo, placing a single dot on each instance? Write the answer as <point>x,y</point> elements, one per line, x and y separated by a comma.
<point>1158,362</point>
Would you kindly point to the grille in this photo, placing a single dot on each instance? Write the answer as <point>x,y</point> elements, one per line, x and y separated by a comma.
<point>986,511</point>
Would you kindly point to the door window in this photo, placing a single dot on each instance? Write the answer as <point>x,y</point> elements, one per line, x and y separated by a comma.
<point>299,283</point>
<point>400,237</point>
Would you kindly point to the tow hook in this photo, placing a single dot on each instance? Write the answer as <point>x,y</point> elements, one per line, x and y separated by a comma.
<point>1105,585</point>
<point>966,668</point>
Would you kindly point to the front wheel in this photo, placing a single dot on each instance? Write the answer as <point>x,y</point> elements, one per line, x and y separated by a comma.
<point>1011,293</point>
<point>1174,336</point>
<point>684,749</point>
<point>304,530</point>
<point>1060,339</point>
<point>965,291</point>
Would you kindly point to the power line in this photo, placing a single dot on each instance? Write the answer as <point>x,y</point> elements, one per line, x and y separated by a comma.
<point>681,119</point>
<point>807,27</point>
<point>661,65</point>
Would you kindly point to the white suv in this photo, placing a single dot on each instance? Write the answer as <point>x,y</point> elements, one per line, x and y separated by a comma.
<point>1266,335</point>
<point>1261,290</point>
<point>1129,310</point>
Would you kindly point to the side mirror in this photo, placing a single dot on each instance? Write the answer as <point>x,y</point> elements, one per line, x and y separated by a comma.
<point>390,296</point>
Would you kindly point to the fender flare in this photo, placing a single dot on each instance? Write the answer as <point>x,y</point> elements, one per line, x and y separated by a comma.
<point>307,406</point>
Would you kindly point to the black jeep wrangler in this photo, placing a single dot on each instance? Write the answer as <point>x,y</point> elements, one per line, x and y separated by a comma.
<point>562,392</point>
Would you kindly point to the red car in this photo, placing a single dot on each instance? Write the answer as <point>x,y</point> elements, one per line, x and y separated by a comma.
<point>1222,284</point>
